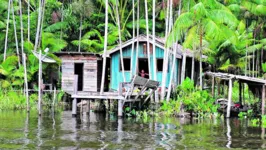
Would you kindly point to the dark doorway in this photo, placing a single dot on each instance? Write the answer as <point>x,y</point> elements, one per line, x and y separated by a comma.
<point>144,65</point>
<point>79,72</point>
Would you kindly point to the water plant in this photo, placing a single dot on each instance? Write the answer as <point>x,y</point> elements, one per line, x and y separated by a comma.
<point>255,122</point>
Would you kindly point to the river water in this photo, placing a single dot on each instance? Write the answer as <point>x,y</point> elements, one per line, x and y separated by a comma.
<point>19,130</point>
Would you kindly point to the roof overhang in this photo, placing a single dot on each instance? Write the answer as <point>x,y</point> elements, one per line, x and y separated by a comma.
<point>142,38</point>
<point>76,53</point>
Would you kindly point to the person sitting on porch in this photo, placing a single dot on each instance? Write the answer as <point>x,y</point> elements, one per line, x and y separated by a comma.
<point>142,73</point>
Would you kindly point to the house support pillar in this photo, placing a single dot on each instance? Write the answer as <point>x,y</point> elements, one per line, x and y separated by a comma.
<point>74,107</point>
<point>240,92</point>
<point>74,102</point>
<point>120,102</point>
<point>120,108</point>
<point>88,106</point>
<point>213,86</point>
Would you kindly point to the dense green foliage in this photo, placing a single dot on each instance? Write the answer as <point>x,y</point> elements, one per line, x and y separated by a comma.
<point>194,100</point>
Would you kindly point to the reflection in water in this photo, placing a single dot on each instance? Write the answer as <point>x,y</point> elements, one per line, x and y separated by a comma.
<point>58,130</point>
<point>39,131</point>
<point>26,130</point>
<point>119,130</point>
<point>229,138</point>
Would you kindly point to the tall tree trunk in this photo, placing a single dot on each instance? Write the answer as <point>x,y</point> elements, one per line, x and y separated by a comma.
<point>183,68</point>
<point>148,38</point>
<point>165,62</point>
<point>184,61</point>
<point>153,41</point>
<point>21,28</point>
<point>22,52</point>
<point>193,65</point>
<point>26,81</point>
<point>172,72</point>
<point>15,32</point>
<point>7,27</point>
<point>38,26</point>
<point>28,20</point>
<point>193,59</point>
<point>261,59</point>
<point>249,68</point>
<point>201,36</point>
<point>246,65</point>
<point>62,19</point>
<point>137,49</point>
<point>80,31</point>
<point>257,64</point>
<point>253,61</point>
<point>40,37</point>
<point>105,46</point>
<point>120,42</point>
<point>133,43</point>
<point>154,49</point>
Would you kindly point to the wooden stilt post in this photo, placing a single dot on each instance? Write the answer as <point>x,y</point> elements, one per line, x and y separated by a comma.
<point>54,99</point>
<point>120,102</point>
<point>26,81</point>
<point>263,101</point>
<point>74,102</point>
<point>109,105</point>
<point>229,98</point>
<point>219,87</point>
<point>120,108</point>
<point>240,93</point>
<point>224,89</point>
<point>243,93</point>
<point>74,107</point>
<point>213,86</point>
<point>88,106</point>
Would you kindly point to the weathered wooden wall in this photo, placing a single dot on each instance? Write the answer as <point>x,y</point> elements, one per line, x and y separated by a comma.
<point>90,72</point>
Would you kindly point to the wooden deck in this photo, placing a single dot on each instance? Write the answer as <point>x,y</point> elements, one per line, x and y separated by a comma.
<point>257,82</point>
<point>139,89</point>
<point>96,95</point>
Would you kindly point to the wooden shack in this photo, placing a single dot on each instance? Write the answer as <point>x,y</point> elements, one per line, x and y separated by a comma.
<point>141,61</point>
<point>88,67</point>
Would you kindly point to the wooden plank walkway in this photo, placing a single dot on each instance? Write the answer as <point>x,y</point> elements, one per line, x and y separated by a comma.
<point>97,95</point>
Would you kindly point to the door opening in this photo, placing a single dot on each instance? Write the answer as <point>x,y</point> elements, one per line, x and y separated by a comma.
<point>79,72</point>
<point>143,67</point>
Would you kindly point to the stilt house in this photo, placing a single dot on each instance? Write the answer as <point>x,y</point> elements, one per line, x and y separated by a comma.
<point>88,66</point>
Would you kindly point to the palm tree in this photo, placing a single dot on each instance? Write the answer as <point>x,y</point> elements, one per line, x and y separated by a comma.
<point>138,24</point>
<point>133,37</point>
<point>7,27</point>
<point>105,45</point>
<point>175,47</point>
<point>211,18</point>
<point>120,40</point>
<point>148,37</point>
<point>154,47</point>
<point>15,32</point>
<point>166,52</point>
<point>40,12</point>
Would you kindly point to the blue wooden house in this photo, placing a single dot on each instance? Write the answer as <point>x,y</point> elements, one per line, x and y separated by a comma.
<point>141,61</point>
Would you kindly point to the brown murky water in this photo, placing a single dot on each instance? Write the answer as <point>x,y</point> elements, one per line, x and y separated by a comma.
<point>18,130</point>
